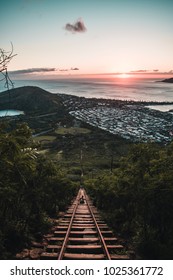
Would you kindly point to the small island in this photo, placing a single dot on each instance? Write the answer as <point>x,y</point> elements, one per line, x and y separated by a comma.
<point>170,80</point>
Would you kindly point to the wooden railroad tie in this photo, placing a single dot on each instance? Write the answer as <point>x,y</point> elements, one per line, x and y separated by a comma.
<point>81,234</point>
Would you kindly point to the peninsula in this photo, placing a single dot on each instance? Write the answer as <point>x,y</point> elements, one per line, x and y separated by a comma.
<point>170,80</point>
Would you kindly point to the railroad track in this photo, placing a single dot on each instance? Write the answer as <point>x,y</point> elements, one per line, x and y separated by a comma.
<point>82,235</point>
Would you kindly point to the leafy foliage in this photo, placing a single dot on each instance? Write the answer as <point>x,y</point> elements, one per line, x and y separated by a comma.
<point>138,199</point>
<point>32,188</point>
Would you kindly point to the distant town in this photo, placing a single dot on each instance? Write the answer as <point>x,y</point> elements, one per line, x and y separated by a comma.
<point>131,120</point>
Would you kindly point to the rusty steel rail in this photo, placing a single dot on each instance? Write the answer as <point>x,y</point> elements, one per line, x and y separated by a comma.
<point>99,231</point>
<point>82,234</point>
<point>60,256</point>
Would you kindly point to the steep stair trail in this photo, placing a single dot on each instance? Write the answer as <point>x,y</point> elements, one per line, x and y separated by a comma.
<point>81,234</point>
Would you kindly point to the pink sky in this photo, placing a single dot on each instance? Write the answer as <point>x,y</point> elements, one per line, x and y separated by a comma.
<point>53,38</point>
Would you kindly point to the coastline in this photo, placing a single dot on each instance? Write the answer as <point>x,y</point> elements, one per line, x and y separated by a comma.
<point>129,119</point>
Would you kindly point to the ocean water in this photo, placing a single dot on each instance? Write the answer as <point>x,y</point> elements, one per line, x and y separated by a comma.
<point>4,113</point>
<point>109,88</point>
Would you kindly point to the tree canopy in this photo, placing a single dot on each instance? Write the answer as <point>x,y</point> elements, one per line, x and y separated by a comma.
<point>32,189</point>
<point>137,199</point>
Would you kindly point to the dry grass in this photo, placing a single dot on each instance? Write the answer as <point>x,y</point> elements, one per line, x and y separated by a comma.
<point>72,130</point>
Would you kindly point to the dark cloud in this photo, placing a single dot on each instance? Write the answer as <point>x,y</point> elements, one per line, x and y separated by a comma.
<point>75,68</point>
<point>78,26</point>
<point>63,70</point>
<point>156,70</point>
<point>139,71</point>
<point>33,70</point>
<point>168,72</point>
<point>42,70</point>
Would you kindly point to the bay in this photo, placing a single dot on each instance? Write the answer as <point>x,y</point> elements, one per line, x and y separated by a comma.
<point>162,108</point>
<point>5,113</point>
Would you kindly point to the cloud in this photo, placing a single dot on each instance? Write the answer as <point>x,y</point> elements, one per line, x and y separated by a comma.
<point>168,72</point>
<point>139,71</point>
<point>41,70</point>
<point>74,69</point>
<point>77,27</point>
<point>154,72</point>
<point>63,70</point>
<point>66,69</point>
<point>32,70</point>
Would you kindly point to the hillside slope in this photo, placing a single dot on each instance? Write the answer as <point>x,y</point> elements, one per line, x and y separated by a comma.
<point>30,100</point>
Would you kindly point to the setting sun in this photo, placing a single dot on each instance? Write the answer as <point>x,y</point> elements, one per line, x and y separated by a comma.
<point>123,76</point>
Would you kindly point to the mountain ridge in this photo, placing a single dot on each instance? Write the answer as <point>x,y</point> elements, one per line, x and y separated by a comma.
<point>30,99</point>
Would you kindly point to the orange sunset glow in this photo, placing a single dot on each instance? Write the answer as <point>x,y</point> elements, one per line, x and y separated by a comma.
<point>124,76</point>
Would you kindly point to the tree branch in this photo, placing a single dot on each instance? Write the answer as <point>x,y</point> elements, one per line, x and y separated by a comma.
<point>5,58</point>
